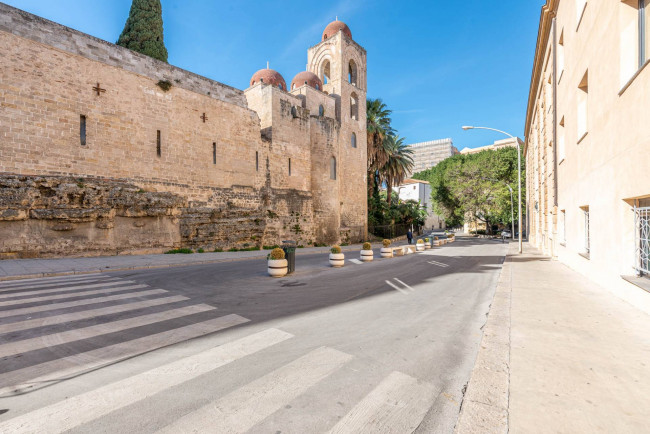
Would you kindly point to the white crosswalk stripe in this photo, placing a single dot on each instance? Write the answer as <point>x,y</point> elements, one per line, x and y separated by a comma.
<point>84,314</point>
<point>62,296</point>
<point>397,405</point>
<point>23,346</point>
<point>240,410</point>
<point>66,288</point>
<point>50,281</point>
<point>87,301</point>
<point>77,410</point>
<point>356,261</point>
<point>438,264</point>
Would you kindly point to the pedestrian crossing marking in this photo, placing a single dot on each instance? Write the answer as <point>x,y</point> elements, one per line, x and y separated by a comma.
<point>77,294</point>
<point>240,410</point>
<point>50,281</point>
<point>77,410</point>
<point>438,264</point>
<point>65,288</point>
<point>356,261</point>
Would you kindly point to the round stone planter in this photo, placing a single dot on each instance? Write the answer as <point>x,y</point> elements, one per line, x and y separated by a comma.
<point>419,247</point>
<point>277,267</point>
<point>386,252</point>
<point>367,255</point>
<point>337,259</point>
<point>427,245</point>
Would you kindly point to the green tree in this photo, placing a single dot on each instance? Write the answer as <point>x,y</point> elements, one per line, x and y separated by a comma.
<point>398,165</point>
<point>378,127</point>
<point>143,31</point>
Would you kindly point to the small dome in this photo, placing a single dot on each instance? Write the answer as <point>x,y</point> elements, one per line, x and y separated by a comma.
<point>269,76</point>
<point>333,27</point>
<point>308,78</point>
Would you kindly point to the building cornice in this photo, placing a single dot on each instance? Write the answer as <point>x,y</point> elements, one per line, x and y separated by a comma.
<point>549,11</point>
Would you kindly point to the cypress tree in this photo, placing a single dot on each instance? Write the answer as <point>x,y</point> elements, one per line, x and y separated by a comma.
<point>143,31</point>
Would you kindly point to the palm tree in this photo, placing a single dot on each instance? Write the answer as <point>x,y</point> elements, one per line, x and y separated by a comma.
<point>398,165</point>
<point>378,126</point>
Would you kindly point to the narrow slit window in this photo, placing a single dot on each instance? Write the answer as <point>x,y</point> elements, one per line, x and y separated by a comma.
<point>257,161</point>
<point>333,168</point>
<point>289,166</point>
<point>158,144</point>
<point>82,130</point>
<point>214,153</point>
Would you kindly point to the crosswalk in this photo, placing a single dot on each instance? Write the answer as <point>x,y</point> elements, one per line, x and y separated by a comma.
<point>56,314</point>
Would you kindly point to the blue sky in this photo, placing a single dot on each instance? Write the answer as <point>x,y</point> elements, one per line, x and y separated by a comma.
<point>438,64</point>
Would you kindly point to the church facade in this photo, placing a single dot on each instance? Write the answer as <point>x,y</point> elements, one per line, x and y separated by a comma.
<point>104,150</point>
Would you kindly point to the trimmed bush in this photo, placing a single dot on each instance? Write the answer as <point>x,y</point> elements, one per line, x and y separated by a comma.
<point>276,253</point>
<point>426,240</point>
<point>367,246</point>
<point>420,241</point>
<point>335,250</point>
<point>386,243</point>
<point>435,238</point>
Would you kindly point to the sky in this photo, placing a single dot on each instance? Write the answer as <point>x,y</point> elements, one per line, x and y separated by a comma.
<point>437,64</point>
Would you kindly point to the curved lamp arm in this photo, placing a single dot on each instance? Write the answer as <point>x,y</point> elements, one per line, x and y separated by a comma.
<point>486,128</point>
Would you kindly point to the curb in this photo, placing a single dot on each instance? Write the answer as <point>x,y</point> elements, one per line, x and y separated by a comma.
<point>484,408</point>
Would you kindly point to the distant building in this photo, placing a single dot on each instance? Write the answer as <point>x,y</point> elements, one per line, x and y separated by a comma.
<point>414,189</point>
<point>499,144</point>
<point>428,154</point>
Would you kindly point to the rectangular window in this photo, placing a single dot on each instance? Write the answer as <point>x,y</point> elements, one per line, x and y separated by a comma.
<point>560,56</point>
<point>634,17</point>
<point>158,144</point>
<point>563,227</point>
<point>289,166</point>
<point>82,130</point>
<point>583,106</point>
<point>581,5</point>
<point>560,141</point>
<point>214,153</point>
<point>257,161</point>
<point>587,240</point>
<point>642,236</point>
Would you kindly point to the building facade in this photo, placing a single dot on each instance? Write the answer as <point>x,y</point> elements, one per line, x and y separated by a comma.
<point>420,191</point>
<point>428,154</point>
<point>499,144</point>
<point>106,151</point>
<point>587,143</point>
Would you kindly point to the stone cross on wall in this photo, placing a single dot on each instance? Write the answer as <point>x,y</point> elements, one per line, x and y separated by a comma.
<point>204,117</point>
<point>99,89</point>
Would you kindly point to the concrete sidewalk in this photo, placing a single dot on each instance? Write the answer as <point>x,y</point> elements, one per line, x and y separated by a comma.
<point>559,355</point>
<point>11,269</point>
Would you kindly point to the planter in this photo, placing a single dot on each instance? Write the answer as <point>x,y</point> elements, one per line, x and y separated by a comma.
<point>277,267</point>
<point>337,259</point>
<point>367,255</point>
<point>419,247</point>
<point>386,252</point>
<point>427,245</point>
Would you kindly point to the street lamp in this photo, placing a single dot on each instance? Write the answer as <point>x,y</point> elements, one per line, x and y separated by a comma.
<point>518,170</point>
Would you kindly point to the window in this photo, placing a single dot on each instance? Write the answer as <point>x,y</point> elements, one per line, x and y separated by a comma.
<point>560,141</point>
<point>214,153</point>
<point>560,56</point>
<point>583,93</point>
<point>82,130</point>
<point>634,18</point>
<point>581,5</point>
<point>158,144</point>
<point>280,86</point>
<point>289,166</point>
<point>354,106</point>
<point>587,241</point>
<point>352,73</point>
<point>642,235</point>
<point>333,168</point>
<point>321,110</point>
<point>562,230</point>
<point>257,161</point>
<point>353,140</point>
<point>326,72</point>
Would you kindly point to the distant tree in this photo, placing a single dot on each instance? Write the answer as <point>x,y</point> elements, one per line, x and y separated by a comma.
<point>143,31</point>
<point>378,127</point>
<point>398,166</point>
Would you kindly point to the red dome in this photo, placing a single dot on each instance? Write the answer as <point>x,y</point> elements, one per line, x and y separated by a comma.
<point>269,76</point>
<point>308,78</point>
<point>333,28</point>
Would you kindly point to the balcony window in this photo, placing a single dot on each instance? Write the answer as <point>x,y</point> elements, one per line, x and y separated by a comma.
<point>642,236</point>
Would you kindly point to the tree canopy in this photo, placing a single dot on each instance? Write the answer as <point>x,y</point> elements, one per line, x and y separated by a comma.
<point>475,186</point>
<point>143,31</point>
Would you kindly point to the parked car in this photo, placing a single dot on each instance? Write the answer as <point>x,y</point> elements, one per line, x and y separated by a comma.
<point>506,233</point>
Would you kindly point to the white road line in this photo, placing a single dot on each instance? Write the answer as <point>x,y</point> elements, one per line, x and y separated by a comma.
<point>356,261</point>
<point>404,284</point>
<point>403,291</point>
<point>76,294</point>
<point>47,373</point>
<point>80,409</point>
<point>40,342</point>
<point>66,288</point>
<point>18,284</point>
<point>84,314</point>
<point>66,304</point>
<point>439,264</point>
<point>397,405</point>
<point>242,409</point>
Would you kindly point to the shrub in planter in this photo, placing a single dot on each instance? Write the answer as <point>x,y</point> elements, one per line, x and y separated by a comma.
<point>367,254</point>
<point>427,243</point>
<point>337,259</point>
<point>277,265</point>
<point>419,246</point>
<point>386,251</point>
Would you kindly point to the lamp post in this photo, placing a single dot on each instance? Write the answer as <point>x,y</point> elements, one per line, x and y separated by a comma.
<point>518,171</point>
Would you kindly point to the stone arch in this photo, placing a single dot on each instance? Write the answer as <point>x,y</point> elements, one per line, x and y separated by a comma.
<point>353,73</point>
<point>354,106</point>
<point>353,140</point>
<point>326,71</point>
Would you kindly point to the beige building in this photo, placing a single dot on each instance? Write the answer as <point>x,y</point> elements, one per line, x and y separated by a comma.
<point>499,144</point>
<point>428,154</point>
<point>420,191</point>
<point>105,150</point>
<point>588,141</point>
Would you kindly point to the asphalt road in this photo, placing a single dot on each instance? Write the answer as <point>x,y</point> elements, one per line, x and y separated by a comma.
<point>385,346</point>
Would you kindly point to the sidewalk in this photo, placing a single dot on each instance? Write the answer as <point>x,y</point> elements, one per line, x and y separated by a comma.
<point>30,268</point>
<point>559,355</point>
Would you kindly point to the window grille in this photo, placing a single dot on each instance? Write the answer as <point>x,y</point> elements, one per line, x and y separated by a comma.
<point>642,239</point>
<point>587,240</point>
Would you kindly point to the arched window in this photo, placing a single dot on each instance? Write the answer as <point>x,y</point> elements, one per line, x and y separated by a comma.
<point>352,73</point>
<point>280,86</point>
<point>353,140</point>
<point>325,72</point>
<point>333,168</point>
<point>354,106</point>
<point>321,110</point>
